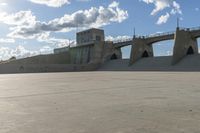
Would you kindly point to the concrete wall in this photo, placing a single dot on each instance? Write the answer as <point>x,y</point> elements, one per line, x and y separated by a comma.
<point>139,46</point>
<point>82,55</point>
<point>183,40</point>
<point>50,63</point>
<point>110,50</point>
<point>98,52</point>
<point>81,58</point>
<point>85,54</point>
<point>61,50</point>
<point>40,68</point>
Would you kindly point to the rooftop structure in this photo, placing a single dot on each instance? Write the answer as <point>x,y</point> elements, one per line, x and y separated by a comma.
<point>61,50</point>
<point>90,36</point>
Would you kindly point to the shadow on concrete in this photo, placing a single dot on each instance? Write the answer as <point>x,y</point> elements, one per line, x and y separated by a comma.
<point>190,63</point>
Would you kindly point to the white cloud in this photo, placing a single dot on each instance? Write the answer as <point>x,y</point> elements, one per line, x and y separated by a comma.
<point>56,42</point>
<point>160,5</point>
<point>163,19</point>
<point>7,40</point>
<point>83,0</point>
<point>196,9</point>
<point>176,8</point>
<point>21,52</point>
<point>51,3</point>
<point>46,50</point>
<point>163,4</point>
<point>25,26</point>
<point>21,18</point>
<point>3,4</point>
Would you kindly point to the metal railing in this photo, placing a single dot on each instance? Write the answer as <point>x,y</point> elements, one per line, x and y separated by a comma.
<point>194,28</point>
<point>122,40</point>
<point>143,37</point>
<point>155,35</point>
<point>190,29</point>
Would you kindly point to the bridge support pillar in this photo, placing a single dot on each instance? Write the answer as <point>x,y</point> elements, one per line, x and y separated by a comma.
<point>185,44</point>
<point>140,49</point>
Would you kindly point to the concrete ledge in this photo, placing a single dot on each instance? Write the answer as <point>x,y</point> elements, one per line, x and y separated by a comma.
<point>189,63</point>
<point>40,68</point>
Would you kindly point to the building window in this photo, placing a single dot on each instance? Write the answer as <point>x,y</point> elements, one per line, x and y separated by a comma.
<point>98,38</point>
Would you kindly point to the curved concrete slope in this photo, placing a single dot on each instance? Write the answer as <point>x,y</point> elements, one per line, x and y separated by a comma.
<point>189,63</point>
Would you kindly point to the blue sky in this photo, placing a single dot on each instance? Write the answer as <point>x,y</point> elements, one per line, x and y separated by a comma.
<point>30,27</point>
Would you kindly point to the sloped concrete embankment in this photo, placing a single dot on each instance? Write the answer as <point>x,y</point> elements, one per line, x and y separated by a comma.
<point>40,68</point>
<point>188,63</point>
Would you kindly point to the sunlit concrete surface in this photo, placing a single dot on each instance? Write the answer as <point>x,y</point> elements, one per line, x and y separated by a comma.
<point>100,102</point>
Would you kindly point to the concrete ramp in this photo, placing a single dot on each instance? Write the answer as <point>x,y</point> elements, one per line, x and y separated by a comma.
<point>189,63</point>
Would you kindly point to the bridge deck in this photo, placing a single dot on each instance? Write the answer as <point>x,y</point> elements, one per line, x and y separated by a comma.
<point>156,37</point>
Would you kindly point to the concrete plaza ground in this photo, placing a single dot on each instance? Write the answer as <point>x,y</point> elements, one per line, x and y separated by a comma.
<point>100,102</point>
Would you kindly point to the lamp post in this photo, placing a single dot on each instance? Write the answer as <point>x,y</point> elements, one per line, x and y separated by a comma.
<point>178,23</point>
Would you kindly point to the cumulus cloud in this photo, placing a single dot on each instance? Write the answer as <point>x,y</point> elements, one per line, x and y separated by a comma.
<point>25,26</point>
<point>163,4</point>
<point>83,0</point>
<point>3,4</point>
<point>46,50</point>
<point>51,3</point>
<point>163,19</point>
<point>176,8</point>
<point>21,52</point>
<point>7,40</point>
<point>21,18</point>
<point>56,42</point>
<point>160,5</point>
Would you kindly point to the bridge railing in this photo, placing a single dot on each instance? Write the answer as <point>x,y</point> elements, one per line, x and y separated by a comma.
<point>122,40</point>
<point>159,34</point>
<point>190,29</point>
<point>146,36</point>
<point>155,35</point>
<point>194,28</point>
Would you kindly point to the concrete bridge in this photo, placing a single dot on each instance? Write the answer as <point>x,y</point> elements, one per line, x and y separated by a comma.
<point>123,43</point>
<point>185,42</point>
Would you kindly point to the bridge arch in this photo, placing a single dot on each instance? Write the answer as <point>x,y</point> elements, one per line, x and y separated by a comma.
<point>198,44</point>
<point>126,52</point>
<point>190,51</point>
<point>145,54</point>
<point>125,47</point>
<point>163,48</point>
<point>113,57</point>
